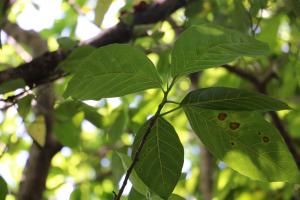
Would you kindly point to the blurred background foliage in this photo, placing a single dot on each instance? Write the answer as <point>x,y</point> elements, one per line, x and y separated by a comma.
<point>88,166</point>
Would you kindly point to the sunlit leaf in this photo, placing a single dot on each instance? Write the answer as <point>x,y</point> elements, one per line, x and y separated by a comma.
<point>112,71</point>
<point>76,194</point>
<point>205,46</point>
<point>224,98</point>
<point>161,159</point>
<point>100,10</point>
<point>137,183</point>
<point>175,197</point>
<point>245,142</point>
<point>37,130</point>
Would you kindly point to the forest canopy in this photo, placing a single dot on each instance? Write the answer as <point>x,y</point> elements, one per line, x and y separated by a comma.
<point>149,99</point>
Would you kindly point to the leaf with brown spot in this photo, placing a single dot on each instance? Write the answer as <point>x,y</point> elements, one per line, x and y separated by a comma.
<point>266,139</point>
<point>234,125</point>
<point>248,143</point>
<point>222,116</point>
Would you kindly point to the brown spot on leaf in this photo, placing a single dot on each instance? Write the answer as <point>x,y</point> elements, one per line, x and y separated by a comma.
<point>266,139</point>
<point>222,116</point>
<point>232,143</point>
<point>234,125</point>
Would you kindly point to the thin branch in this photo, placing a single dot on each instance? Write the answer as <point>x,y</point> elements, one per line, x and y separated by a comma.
<point>174,102</point>
<point>257,23</point>
<point>178,29</point>
<point>45,66</point>
<point>244,74</point>
<point>143,141</point>
<point>170,111</point>
<point>251,23</point>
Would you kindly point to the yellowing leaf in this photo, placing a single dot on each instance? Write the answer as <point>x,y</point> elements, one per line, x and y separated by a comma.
<point>37,130</point>
<point>100,10</point>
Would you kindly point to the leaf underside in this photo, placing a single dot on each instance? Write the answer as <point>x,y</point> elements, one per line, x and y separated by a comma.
<point>228,123</point>
<point>112,71</point>
<point>161,159</point>
<point>245,142</point>
<point>205,46</point>
<point>224,98</point>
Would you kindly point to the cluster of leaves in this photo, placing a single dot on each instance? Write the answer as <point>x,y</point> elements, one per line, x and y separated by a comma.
<point>227,120</point>
<point>232,128</point>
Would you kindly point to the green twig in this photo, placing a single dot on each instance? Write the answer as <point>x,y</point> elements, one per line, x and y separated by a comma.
<point>172,110</point>
<point>174,102</point>
<point>143,141</point>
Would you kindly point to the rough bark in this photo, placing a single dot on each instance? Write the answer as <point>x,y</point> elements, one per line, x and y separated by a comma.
<point>35,173</point>
<point>38,164</point>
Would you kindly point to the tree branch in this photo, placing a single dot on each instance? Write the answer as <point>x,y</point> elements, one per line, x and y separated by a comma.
<point>44,67</point>
<point>38,164</point>
<point>29,38</point>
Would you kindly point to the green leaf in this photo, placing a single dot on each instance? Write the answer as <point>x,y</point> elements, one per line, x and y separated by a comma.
<point>67,133</point>
<point>24,106</point>
<point>205,46</point>
<point>117,169</point>
<point>66,110</point>
<point>161,159</point>
<point>134,195</point>
<point>3,189</point>
<point>163,65</point>
<point>72,63</point>
<point>175,197</point>
<point>37,130</point>
<point>67,124</point>
<point>137,183</point>
<point>100,10</point>
<point>67,43</point>
<point>112,71</point>
<point>119,125</point>
<point>223,98</point>
<point>92,115</point>
<point>11,85</point>
<point>245,142</point>
<point>76,194</point>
